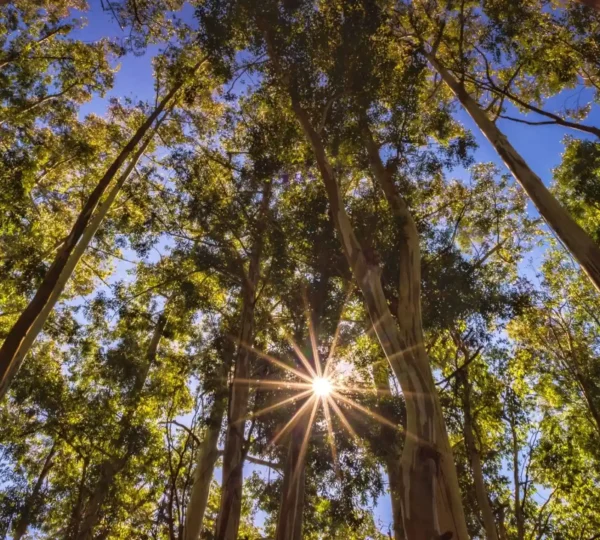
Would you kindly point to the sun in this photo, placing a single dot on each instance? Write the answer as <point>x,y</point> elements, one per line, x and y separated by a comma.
<point>321,386</point>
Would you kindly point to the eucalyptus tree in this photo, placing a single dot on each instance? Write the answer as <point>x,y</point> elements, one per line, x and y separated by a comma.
<point>426,31</point>
<point>20,336</point>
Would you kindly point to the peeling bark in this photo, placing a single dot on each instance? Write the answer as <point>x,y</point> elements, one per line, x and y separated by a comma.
<point>572,236</point>
<point>228,520</point>
<point>12,349</point>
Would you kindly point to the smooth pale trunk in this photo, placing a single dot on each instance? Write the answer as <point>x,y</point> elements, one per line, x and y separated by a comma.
<point>12,348</point>
<point>432,505</point>
<point>69,268</point>
<point>205,466</point>
<point>228,519</point>
<point>481,492</point>
<point>112,467</point>
<point>33,501</point>
<point>432,501</point>
<point>571,235</point>
<point>291,506</point>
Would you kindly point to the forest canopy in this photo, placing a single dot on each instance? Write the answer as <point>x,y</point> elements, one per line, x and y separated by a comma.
<point>300,269</point>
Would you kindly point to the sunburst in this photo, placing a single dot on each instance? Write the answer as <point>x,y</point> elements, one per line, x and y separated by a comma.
<point>320,386</point>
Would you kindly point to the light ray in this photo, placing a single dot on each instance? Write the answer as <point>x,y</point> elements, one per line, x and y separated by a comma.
<point>292,420</point>
<point>277,362</point>
<point>304,446</point>
<point>313,339</point>
<point>277,405</point>
<point>343,418</point>
<point>331,435</point>
<point>372,414</point>
<point>274,384</point>
<point>301,356</point>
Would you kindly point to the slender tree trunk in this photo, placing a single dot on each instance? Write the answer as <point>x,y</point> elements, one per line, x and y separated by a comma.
<point>393,450</point>
<point>208,454</point>
<point>73,526</point>
<point>74,258</point>
<point>432,506</point>
<point>34,500</point>
<point>481,493</point>
<point>112,467</point>
<point>12,345</point>
<point>394,472</point>
<point>572,236</point>
<point>228,520</point>
<point>291,505</point>
<point>517,483</point>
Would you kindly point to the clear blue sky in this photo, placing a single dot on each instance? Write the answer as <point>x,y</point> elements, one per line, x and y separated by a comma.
<point>540,146</point>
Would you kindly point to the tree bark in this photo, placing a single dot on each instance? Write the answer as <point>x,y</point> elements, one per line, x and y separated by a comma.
<point>73,260</point>
<point>517,482</point>
<point>572,236</point>
<point>422,404</point>
<point>393,450</point>
<point>112,467</point>
<point>12,345</point>
<point>208,454</point>
<point>481,493</point>
<point>291,506</point>
<point>34,500</point>
<point>228,519</point>
<point>432,506</point>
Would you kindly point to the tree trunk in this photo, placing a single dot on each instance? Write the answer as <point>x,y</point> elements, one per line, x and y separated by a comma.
<point>572,236</point>
<point>12,345</point>
<point>393,450</point>
<point>111,467</point>
<point>394,472</point>
<point>34,500</point>
<point>228,520</point>
<point>483,500</point>
<point>422,404</point>
<point>208,454</point>
<point>432,505</point>
<point>69,267</point>
<point>517,483</point>
<point>291,506</point>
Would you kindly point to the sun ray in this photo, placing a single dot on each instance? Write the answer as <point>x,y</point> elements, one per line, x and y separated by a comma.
<point>343,419</point>
<point>277,362</point>
<point>301,356</point>
<point>330,434</point>
<point>313,340</point>
<point>372,414</point>
<point>292,420</point>
<point>274,384</point>
<point>277,405</point>
<point>305,439</point>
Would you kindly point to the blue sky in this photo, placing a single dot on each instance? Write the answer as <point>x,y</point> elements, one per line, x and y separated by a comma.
<point>541,147</point>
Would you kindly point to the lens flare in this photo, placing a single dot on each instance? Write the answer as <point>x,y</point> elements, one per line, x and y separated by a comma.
<point>321,386</point>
